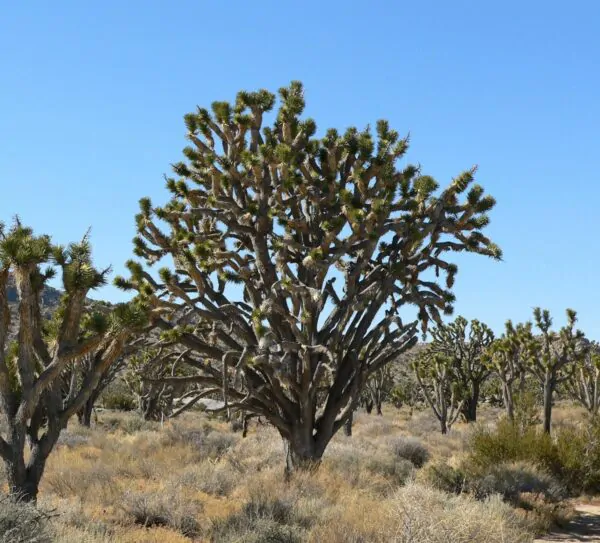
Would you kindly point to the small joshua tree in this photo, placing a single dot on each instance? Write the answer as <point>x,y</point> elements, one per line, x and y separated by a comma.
<point>437,380</point>
<point>263,224</point>
<point>584,385</point>
<point>155,396</point>
<point>506,358</point>
<point>379,387</point>
<point>553,357</point>
<point>465,349</point>
<point>36,400</point>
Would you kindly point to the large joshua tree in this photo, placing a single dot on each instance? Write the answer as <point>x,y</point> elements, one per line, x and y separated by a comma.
<point>464,344</point>
<point>292,256</point>
<point>36,398</point>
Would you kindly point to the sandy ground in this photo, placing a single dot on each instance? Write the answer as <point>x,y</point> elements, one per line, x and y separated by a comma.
<point>585,527</point>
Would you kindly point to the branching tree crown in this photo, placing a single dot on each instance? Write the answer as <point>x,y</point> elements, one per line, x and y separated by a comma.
<point>325,238</point>
<point>506,357</point>
<point>464,345</point>
<point>35,398</point>
<point>552,357</point>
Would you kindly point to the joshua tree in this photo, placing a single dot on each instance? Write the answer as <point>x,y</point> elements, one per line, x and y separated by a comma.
<point>78,371</point>
<point>435,374</point>
<point>263,225</point>
<point>553,357</point>
<point>34,405</point>
<point>584,386</point>
<point>379,387</point>
<point>465,349</point>
<point>144,377</point>
<point>505,357</point>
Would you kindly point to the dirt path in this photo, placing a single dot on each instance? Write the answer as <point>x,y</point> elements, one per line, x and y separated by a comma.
<point>585,527</point>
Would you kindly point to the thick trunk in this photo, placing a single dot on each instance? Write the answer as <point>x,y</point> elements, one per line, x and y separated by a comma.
<point>548,393</point>
<point>348,425</point>
<point>84,415</point>
<point>369,407</point>
<point>301,452</point>
<point>23,481</point>
<point>469,410</point>
<point>509,406</point>
<point>378,407</point>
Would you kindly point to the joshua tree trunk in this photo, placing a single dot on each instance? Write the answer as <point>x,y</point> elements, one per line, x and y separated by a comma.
<point>443,426</point>
<point>548,393</point>
<point>301,452</point>
<point>509,404</point>
<point>23,476</point>
<point>378,407</point>
<point>85,414</point>
<point>469,410</point>
<point>348,425</point>
<point>369,407</point>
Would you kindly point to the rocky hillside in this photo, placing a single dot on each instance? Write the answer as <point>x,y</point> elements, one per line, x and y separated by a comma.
<point>50,296</point>
<point>50,300</point>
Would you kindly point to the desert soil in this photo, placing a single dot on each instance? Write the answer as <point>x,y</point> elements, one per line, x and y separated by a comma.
<point>584,527</point>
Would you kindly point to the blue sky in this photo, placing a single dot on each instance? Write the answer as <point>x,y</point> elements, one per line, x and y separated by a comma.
<point>93,95</point>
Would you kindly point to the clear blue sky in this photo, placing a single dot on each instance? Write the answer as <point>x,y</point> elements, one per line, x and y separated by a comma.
<point>93,94</point>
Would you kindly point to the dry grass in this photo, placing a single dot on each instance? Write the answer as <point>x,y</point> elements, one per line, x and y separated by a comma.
<point>194,480</point>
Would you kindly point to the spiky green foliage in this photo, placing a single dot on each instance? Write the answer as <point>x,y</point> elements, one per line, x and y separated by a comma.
<point>506,358</point>
<point>584,385</point>
<point>464,344</point>
<point>437,379</point>
<point>40,385</point>
<point>326,239</point>
<point>551,356</point>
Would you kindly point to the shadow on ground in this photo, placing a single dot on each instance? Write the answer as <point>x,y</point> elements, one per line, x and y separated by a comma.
<point>586,527</point>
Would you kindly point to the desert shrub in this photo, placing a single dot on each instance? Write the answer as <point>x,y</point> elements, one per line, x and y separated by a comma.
<point>444,477</point>
<point>397,471</point>
<point>426,515</point>
<point>262,519</point>
<point>512,481</point>
<point>578,458</point>
<point>22,523</point>
<point>207,442</point>
<point>128,423</point>
<point>68,439</point>
<point>572,454</point>
<point>410,449</point>
<point>215,479</point>
<point>527,407</point>
<point>80,480</point>
<point>163,509</point>
<point>118,397</point>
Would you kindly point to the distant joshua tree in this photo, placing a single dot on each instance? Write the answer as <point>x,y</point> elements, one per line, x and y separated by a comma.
<point>464,345</point>
<point>289,257</point>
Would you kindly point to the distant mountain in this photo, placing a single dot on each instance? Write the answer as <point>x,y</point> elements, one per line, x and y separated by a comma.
<point>50,296</point>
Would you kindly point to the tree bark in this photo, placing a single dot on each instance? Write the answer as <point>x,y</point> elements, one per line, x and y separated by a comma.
<point>469,410</point>
<point>548,393</point>
<point>348,425</point>
<point>301,453</point>
<point>378,407</point>
<point>24,479</point>
<point>84,415</point>
<point>369,407</point>
<point>443,426</point>
<point>509,404</point>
